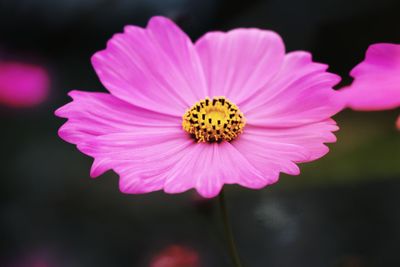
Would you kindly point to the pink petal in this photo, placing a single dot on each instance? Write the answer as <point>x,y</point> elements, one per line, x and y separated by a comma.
<point>93,116</point>
<point>376,84</point>
<point>156,68</point>
<point>207,167</point>
<point>22,85</point>
<point>239,62</point>
<point>274,150</point>
<point>171,161</point>
<point>143,160</point>
<point>300,93</point>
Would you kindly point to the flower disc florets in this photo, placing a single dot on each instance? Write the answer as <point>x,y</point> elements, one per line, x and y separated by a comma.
<point>214,120</point>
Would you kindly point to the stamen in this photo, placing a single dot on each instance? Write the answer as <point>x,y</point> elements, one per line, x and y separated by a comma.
<point>220,121</point>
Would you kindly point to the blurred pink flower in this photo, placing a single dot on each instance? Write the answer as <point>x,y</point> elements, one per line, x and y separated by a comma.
<point>33,261</point>
<point>22,85</point>
<point>232,108</point>
<point>176,256</point>
<point>39,263</point>
<point>376,84</point>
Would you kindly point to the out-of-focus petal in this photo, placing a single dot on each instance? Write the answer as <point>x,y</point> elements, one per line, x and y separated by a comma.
<point>23,85</point>
<point>376,84</point>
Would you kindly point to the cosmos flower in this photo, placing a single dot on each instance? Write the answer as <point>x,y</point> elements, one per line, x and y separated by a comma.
<point>376,84</point>
<point>231,108</point>
<point>176,256</point>
<point>22,85</point>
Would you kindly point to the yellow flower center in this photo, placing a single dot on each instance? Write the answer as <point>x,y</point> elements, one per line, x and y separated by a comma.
<point>214,120</point>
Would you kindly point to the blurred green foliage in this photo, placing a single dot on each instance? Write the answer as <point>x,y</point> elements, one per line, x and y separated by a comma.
<point>367,147</point>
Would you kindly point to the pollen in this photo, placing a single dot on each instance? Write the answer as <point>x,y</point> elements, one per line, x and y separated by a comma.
<point>213,120</point>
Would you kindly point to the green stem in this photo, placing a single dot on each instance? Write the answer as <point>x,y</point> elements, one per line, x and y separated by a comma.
<point>228,230</point>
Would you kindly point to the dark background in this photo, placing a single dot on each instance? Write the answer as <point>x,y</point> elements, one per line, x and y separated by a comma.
<point>342,211</point>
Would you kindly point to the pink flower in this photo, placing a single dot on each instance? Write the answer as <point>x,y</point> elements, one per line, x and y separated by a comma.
<point>32,261</point>
<point>376,84</point>
<point>232,108</point>
<point>176,256</point>
<point>22,85</point>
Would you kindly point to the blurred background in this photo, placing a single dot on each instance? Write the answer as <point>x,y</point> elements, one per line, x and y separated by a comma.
<point>342,211</point>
